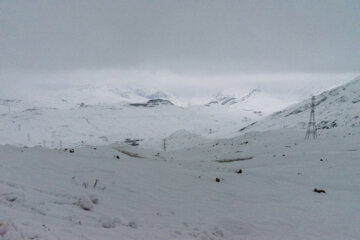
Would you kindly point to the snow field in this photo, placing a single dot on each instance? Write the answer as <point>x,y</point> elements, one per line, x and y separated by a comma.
<point>174,195</point>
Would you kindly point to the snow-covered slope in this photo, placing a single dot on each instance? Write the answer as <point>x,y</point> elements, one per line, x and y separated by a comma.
<point>77,124</point>
<point>257,102</point>
<point>104,124</point>
<point>124,192</point>
<point>223,99</point>
<point>338,107</point>
<point>71,96</point>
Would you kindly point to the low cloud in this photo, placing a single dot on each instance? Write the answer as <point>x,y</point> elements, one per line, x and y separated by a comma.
<point>191,89</point>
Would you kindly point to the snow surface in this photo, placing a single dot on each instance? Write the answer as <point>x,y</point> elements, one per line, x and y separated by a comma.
<point>148,194</point>
<point>105,124</point>
<point>86,183</point>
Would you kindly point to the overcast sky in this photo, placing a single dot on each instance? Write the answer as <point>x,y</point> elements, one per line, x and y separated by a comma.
<point>186,38</point>
<point>189,36</point>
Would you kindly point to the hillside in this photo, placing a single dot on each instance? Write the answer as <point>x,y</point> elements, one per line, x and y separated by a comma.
<point>256,101</point>
<point>109,123</point>
<point>222,99</point>
<point>338,107</point>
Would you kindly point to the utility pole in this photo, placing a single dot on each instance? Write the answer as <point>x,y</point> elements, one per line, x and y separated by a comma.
<point>164,144</point>
<point>311,129</point>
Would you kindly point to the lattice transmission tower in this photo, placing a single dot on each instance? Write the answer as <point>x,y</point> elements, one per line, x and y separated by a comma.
<point>311,129</point>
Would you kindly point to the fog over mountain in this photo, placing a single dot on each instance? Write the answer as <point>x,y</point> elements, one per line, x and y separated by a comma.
<point>190,48</point>
<point>179,119</point>
<point>102,85</point>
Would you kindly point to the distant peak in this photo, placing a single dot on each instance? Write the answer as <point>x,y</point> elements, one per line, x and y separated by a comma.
<point>158,95</point>
<point>250,94</point>
<point>230,99</point>
<point>152,103</point>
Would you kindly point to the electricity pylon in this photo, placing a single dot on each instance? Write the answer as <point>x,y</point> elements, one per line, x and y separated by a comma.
<point>311,129</point>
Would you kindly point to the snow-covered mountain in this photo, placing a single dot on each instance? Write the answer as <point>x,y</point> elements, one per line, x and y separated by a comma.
<point>109,123</point>
<point>188,179</point>
<point>153,103</point>
<point>223,99</point>
<point>256,102</point>
<point>94,95</point>
<point>72,96</point>
<point>132,95</point>
<point>102,115</point>
<point>338,107</point>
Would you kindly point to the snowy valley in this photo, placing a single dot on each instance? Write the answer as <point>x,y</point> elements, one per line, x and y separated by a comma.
<point>179,120</point>
<point>199,172</point>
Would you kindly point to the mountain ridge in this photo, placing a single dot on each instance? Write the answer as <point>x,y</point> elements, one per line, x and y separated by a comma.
<point>337,107</point>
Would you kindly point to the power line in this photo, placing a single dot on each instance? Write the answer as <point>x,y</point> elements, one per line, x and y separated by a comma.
<point>311,129</point>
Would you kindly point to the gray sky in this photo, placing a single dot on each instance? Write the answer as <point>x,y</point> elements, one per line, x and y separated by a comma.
<point>186,37</point>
